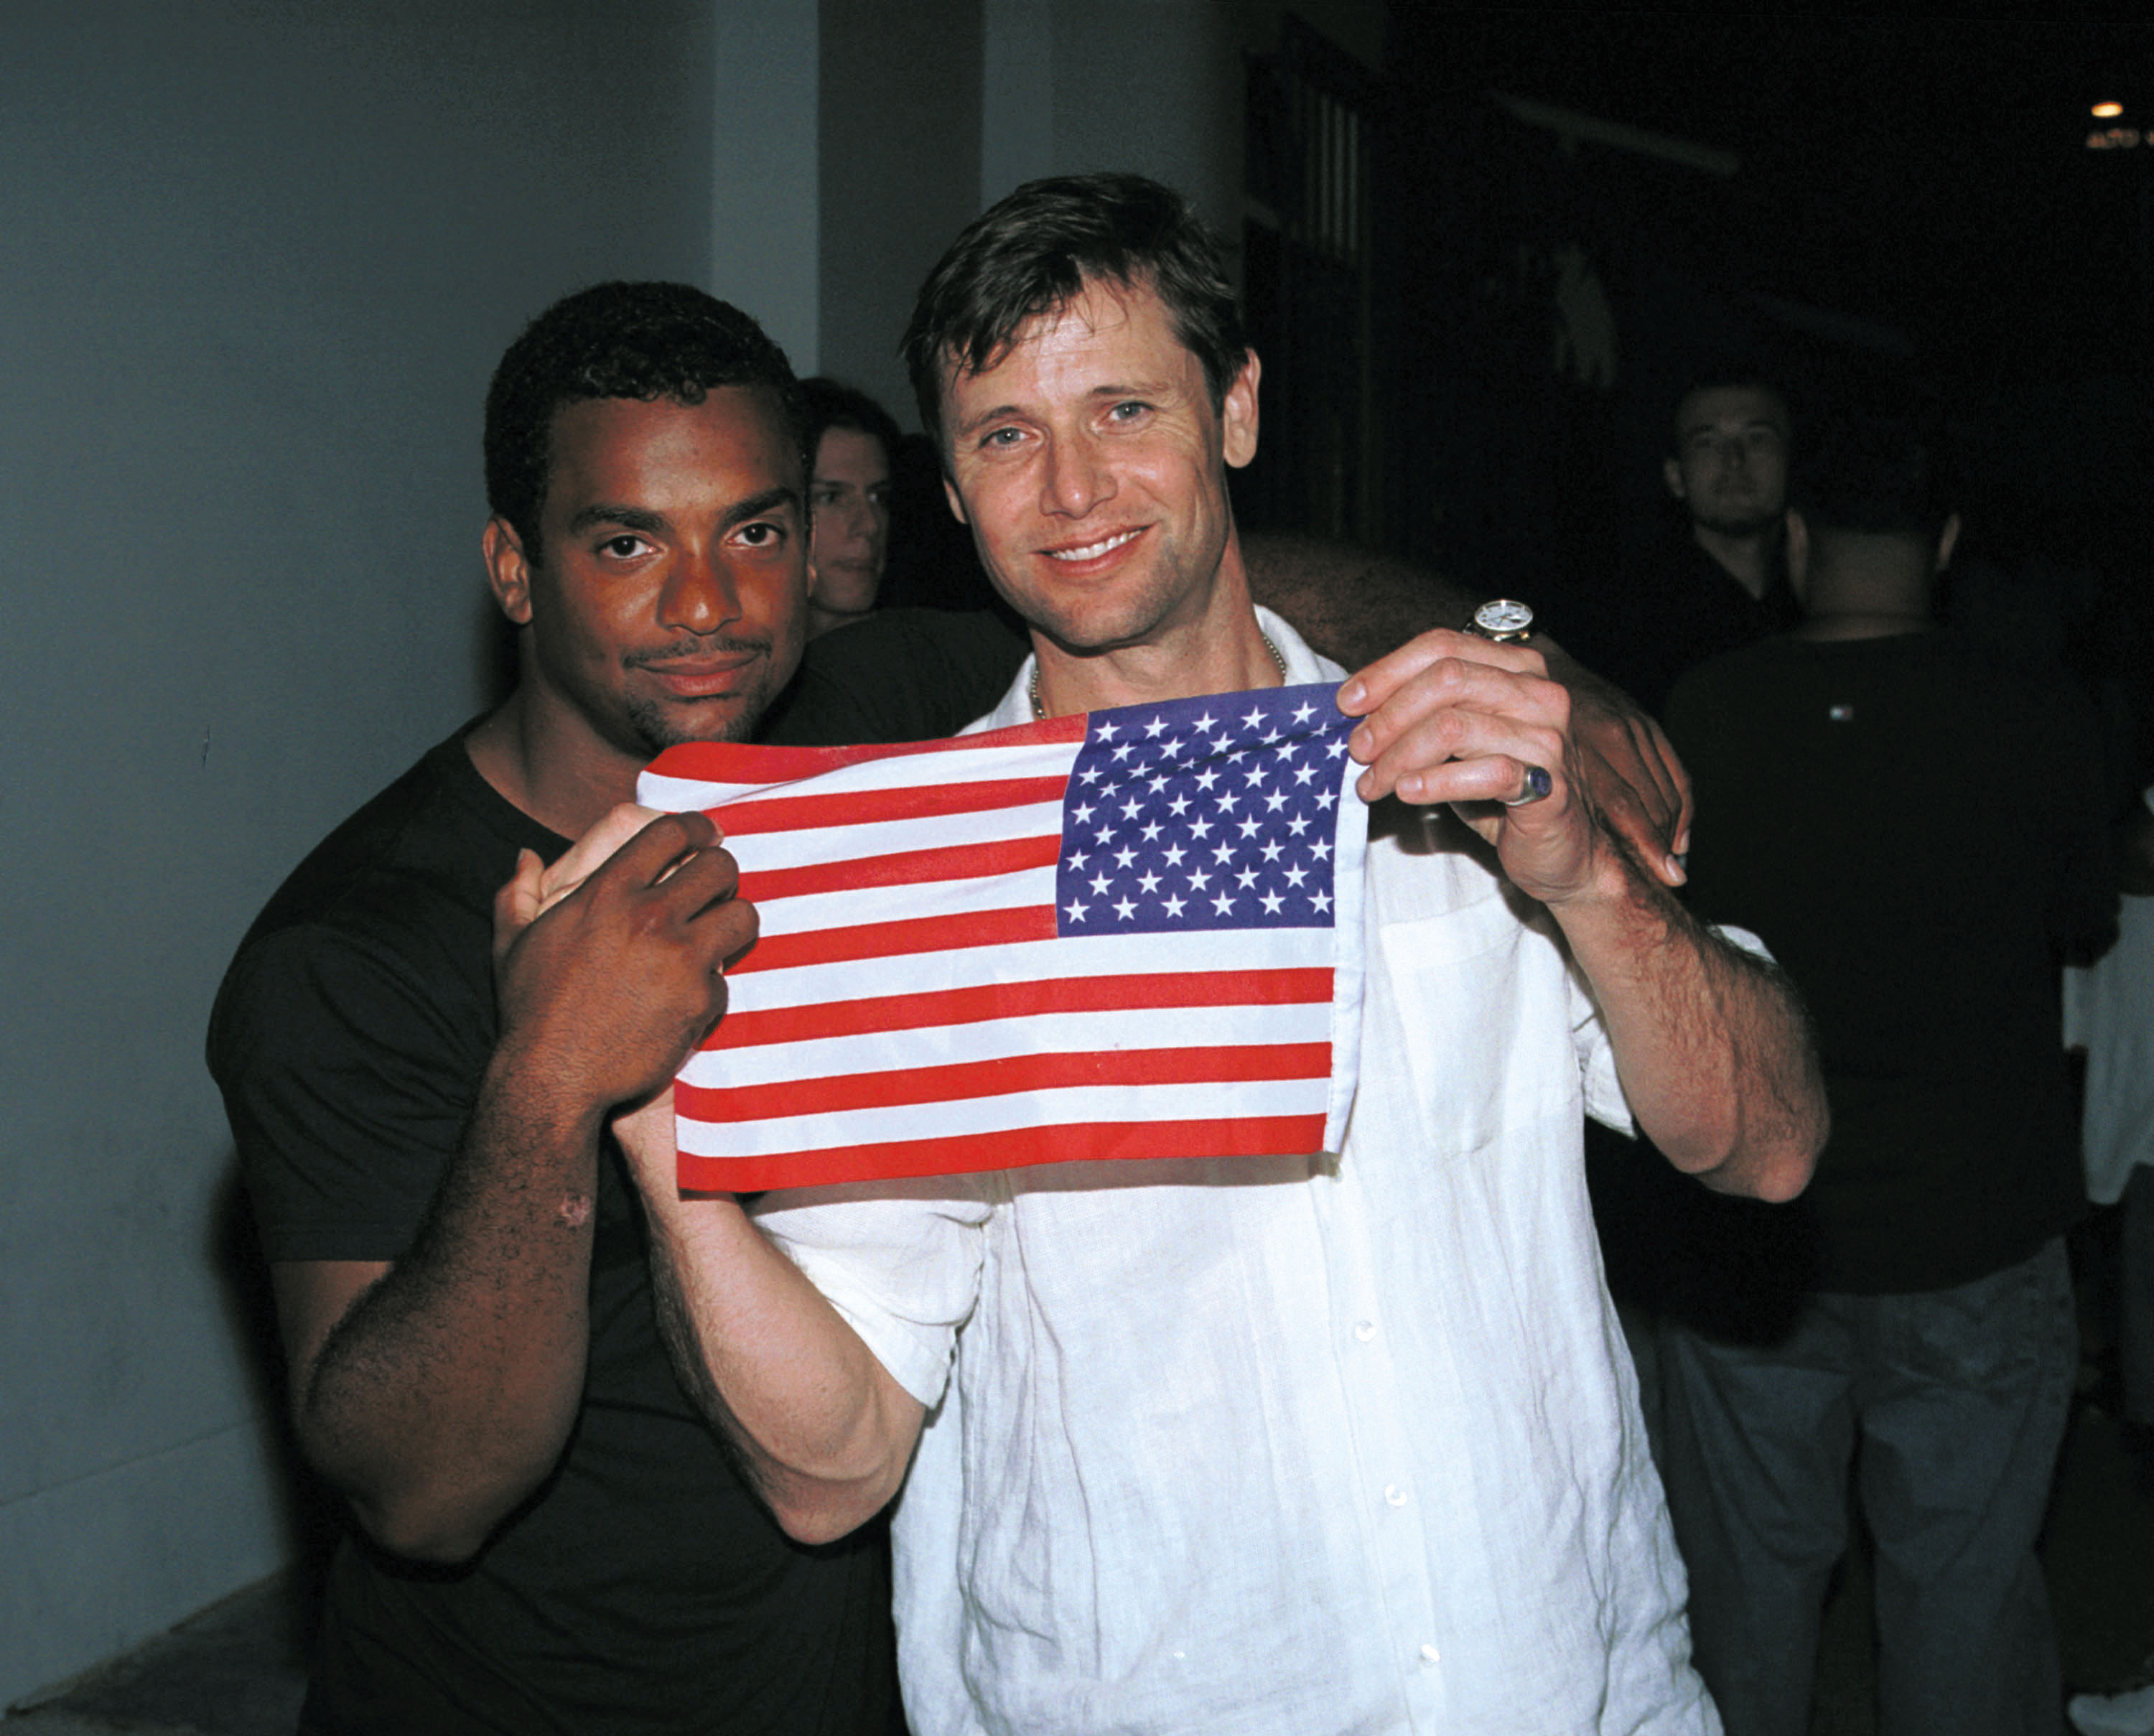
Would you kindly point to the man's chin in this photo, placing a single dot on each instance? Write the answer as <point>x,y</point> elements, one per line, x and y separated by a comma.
<point>733,717</point>
<point>1743,524</point>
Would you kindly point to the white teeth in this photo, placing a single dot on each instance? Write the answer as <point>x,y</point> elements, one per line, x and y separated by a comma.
<point>1092,551</point>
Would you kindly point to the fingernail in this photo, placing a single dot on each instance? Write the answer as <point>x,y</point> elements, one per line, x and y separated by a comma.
<point>1353,693</point>
<point>1673,867</point>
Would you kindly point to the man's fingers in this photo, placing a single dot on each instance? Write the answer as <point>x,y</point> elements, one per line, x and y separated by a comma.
<point>1638,782</point>
<point>591,851</point>
<point>659,847</point>
<point>517,904</point>
<point>1368,689</point>
<point>1458,754</point>
<point>1455,687</point>
<point>1639,785</point>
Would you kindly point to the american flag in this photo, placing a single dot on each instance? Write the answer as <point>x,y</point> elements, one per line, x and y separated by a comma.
<point>1132,933</point>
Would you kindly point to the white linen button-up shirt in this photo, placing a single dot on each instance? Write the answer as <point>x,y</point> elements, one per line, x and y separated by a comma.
<point>1289,1446</point>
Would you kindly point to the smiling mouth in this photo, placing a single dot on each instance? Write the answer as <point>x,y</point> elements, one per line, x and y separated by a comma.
<point>1092,551</point>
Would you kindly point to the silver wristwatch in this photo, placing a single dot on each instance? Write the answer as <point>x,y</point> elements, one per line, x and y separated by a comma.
<point>1503,621</point>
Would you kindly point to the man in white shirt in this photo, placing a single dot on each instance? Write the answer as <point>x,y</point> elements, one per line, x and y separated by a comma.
<point>1345,1442</point>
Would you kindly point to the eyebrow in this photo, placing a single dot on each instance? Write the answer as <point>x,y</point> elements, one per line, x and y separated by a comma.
<point>1766,422</point>
<point>630,518</point>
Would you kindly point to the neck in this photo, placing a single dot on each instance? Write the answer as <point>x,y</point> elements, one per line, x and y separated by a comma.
<point>566,786</point>
<point>1218,649</point>
<point>1748,558</point>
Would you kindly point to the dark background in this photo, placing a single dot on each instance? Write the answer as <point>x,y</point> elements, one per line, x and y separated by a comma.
<point>1906,212</point>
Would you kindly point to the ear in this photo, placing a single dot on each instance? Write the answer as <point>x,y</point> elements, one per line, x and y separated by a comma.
<point>1238,415</point>
<point>957,505</point>
<point>1799,557</point>
<point>1672,474</point>
<point>507,573</point>
<point>1947,540</point>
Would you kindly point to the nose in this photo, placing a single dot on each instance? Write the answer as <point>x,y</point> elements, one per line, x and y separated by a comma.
<point>860,522</point>
<point>699,595</point>
<point>1074,481</point>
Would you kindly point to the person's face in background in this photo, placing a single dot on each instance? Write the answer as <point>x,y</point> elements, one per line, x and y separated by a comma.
<point>1730,468</point>
<point>849,497</point>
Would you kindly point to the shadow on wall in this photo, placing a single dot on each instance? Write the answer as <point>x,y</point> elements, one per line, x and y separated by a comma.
<point>309,1511</point>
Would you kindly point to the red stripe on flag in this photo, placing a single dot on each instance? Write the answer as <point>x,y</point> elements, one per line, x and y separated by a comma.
<point>869,807</point>
<point>722,762</point>
<point>1303,986</point>
<point>1001,1077</point>
<point>1252,1136</point>
<point>904,868</point>
<point>892,940</point>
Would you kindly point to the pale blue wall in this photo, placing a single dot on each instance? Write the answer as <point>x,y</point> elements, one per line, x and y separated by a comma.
<point>255,263</point>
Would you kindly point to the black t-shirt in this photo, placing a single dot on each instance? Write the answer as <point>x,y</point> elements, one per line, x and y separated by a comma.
<point>1914,827</point>
<point>642,1589</point>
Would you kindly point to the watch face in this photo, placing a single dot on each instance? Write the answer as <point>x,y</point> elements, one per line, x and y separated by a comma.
<point>1503,619</point>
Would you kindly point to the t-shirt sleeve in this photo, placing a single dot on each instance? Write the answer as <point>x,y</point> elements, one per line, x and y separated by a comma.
<point>899,1260</point>
<point>347,1088</point>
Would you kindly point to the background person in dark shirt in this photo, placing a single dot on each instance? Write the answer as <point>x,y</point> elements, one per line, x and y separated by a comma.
<point>1723,582</point>
<point>1914,827</point>
<point>853,442</point>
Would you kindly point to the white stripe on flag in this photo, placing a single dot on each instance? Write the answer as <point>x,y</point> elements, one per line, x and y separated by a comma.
<point>1120,1029</point>
<point>770,850</point>
<point>1122,955</point>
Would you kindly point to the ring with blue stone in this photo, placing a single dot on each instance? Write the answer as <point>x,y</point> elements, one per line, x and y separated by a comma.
<point>1539,784</point>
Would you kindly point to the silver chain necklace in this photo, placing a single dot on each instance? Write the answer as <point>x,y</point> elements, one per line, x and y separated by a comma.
<point>1039,710</point>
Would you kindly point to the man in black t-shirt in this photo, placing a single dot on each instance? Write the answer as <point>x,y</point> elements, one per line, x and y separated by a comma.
<point>1867,809</point>
<point>551,1534</point>
<point>551,1537</point>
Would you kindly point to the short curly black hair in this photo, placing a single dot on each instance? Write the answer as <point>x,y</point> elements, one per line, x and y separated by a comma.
<point>1880,468</point>
<point>1035,251</point>
<point>618,340</point>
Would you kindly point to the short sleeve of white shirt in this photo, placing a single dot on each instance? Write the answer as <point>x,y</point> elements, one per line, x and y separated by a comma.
<point>899,1260</point>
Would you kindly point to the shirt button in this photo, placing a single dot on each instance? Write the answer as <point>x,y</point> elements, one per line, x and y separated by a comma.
<point>1430,1655</point>
<point>1364,1330</point>
<point>1396,1495</point>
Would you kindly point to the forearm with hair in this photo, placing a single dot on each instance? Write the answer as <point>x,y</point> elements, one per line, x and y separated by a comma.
<point>676,1327</point>
<point>819,1430</point>
<point>1711,1044</point>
